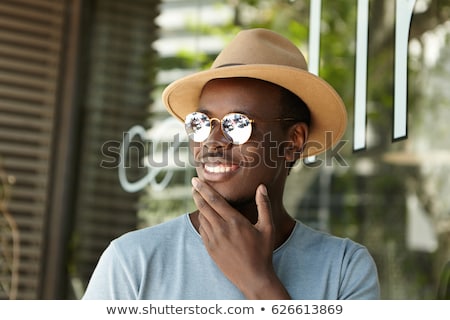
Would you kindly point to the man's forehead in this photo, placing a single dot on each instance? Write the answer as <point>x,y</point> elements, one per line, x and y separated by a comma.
<point>245,95</point>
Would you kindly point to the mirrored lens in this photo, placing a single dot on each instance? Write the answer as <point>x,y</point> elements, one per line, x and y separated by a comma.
<point>198,126</point>
<point>237,127</point>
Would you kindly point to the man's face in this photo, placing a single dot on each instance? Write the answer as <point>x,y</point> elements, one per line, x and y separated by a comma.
<point>235,171</point>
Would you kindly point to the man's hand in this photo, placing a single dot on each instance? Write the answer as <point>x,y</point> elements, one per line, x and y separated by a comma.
<point>242,251</point>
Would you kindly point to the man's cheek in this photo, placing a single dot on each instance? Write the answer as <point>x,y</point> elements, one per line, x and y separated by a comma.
<point>194,154</point>
<point>251,155</point>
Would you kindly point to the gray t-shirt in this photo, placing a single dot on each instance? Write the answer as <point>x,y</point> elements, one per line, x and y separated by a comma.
<point>169,261</point>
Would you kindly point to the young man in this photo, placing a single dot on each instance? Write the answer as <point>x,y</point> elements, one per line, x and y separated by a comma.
<point>249,118</point>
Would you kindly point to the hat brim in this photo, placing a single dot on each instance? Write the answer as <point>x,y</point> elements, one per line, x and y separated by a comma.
<point>328,113</point>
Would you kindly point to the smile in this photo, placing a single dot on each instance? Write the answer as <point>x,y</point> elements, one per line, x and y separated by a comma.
<point>220,167</point>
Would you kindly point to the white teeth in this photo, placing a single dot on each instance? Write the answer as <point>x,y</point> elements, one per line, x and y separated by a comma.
<point>217,168</point>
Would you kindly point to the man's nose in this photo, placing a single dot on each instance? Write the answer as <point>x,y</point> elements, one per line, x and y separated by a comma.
<point>216,138</point>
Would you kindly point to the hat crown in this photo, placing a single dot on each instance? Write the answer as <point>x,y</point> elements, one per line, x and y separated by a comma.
<point>260,46</point>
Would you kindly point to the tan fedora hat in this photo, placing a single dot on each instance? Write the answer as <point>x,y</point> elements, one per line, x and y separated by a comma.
<point>266,55</point>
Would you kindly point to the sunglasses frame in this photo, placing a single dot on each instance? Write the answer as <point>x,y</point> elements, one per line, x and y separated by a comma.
<point>221,121</point>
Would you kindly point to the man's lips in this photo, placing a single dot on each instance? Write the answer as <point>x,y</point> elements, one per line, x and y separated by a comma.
<point>217,167</point>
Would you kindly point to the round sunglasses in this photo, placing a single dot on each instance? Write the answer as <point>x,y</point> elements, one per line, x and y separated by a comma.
<point>236,127</point>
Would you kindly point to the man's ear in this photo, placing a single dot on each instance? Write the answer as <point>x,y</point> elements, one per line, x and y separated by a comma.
<point>298,134</point>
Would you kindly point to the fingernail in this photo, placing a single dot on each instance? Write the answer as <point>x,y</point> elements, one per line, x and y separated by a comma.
<point>194,182</point>
<point>263,189</point>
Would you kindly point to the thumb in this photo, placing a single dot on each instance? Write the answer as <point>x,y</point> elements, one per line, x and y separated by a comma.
<point>265,220</point>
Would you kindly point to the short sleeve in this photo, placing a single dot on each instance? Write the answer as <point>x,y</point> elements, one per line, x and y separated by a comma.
<point>110,279</point>
<point>359,276</point>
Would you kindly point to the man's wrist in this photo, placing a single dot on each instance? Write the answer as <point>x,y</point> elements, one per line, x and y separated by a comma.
<point>270,288</point>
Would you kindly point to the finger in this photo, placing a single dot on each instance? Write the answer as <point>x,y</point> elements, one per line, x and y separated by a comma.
<point>209,219</point>
<point>265,219</point>
<point>204,227</point>
<point>203,205</point>
<point>213,200</point>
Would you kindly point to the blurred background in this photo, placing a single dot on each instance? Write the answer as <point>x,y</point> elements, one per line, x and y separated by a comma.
<point>87,151</point>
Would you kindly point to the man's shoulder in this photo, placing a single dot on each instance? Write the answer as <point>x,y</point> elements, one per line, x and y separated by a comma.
<point>155,234</point>
<point>314,238</point>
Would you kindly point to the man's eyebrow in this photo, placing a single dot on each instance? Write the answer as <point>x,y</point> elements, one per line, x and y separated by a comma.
<point>202,110</point>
